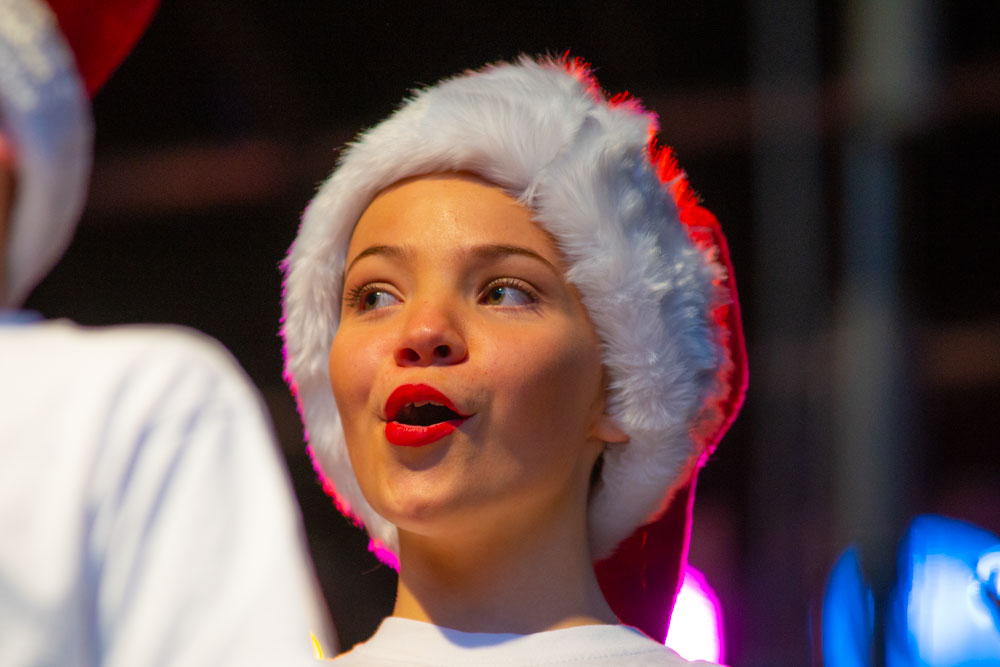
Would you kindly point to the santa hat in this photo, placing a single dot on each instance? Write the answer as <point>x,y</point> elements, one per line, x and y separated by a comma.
<point>650,264</point>
<point>52,55</point>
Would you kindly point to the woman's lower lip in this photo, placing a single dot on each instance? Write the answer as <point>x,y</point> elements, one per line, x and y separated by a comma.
<point>409,435</point>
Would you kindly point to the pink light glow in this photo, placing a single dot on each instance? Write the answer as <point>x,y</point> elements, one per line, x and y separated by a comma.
<point>696,623</point>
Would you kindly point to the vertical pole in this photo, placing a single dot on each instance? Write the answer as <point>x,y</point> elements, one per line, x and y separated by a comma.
<point>789,293</point>
<point>886,53</point>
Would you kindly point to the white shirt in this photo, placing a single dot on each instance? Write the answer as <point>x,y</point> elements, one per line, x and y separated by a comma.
<point>145,515</point>
<point>400,641</point>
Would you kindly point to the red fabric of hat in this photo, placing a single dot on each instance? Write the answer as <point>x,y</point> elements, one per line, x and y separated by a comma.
<point>101,33</point>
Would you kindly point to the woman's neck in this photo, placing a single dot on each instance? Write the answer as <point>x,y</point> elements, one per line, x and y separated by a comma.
<point>519,580</point>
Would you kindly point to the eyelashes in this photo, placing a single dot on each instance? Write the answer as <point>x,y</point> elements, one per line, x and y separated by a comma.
<point>508,292</point>
<point>369,296</point>
<point>504,292</point>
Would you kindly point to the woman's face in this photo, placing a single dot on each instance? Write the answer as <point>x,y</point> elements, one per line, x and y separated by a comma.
<point>465,369</point>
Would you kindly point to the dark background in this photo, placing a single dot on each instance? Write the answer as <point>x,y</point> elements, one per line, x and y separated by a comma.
<point>850,154</point>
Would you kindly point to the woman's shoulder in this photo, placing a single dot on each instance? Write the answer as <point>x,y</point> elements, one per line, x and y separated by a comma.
<point>405,642</point>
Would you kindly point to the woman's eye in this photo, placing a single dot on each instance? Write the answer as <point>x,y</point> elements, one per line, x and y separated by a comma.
<point>507,295</point>
<point>369,297</point>
<point>376,299</point>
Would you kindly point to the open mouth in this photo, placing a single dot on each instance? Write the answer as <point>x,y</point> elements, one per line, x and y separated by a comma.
<point>425,414</point>
<point>418,414</point>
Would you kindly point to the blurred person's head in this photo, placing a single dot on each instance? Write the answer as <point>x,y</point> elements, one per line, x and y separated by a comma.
<point>53,56</point>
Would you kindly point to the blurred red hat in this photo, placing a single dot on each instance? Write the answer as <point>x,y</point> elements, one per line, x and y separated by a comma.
<point>101,33</point>
<point>53,57</point>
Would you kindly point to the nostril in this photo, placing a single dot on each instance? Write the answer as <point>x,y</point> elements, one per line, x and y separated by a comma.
<point>419,353</point>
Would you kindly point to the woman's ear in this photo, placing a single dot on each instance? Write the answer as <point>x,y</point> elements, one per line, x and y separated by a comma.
<point>606,429</point>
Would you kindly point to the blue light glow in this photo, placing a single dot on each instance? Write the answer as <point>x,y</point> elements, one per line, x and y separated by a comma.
<point>944,609</point>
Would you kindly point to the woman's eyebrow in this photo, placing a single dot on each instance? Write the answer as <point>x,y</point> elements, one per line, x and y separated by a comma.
<point>499,250</point>
<point>394,251</point>
<point>487,251</point>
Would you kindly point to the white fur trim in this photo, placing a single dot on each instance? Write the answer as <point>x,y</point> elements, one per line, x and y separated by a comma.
<point>45,112</point>
<point>540,131</point>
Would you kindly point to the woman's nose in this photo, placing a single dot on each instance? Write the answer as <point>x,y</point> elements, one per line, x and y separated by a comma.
<point>430,338</point>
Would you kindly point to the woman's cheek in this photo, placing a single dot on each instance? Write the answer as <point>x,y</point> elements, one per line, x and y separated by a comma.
<point>351,374</point>
<point>558,379</point>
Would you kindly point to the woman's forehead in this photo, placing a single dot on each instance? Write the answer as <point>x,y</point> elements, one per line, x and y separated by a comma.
<point>442,211</point>
<point>443,176</point>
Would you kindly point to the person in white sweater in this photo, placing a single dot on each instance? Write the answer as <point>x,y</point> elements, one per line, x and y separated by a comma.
<point>514,338</point>
<point>146,517</point>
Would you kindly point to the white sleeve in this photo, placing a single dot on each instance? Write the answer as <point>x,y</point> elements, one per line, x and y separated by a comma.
<point>196,553</point>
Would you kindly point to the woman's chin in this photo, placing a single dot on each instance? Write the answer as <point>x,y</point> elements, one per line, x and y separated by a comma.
<point>443,521</point>
<point>424,510</point>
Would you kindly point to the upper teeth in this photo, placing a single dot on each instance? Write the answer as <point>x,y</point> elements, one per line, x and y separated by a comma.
<point>420,404</point>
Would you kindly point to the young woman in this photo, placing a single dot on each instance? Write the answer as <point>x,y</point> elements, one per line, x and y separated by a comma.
<point>513,336</point>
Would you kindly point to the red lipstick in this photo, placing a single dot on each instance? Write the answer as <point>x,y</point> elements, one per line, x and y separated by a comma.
<point>408,399</point>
